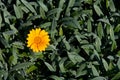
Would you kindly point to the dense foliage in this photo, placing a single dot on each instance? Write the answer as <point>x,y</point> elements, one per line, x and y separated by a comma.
<point>84,34</point>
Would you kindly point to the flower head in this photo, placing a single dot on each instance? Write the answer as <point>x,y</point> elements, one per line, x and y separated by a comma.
<point>38,40</point>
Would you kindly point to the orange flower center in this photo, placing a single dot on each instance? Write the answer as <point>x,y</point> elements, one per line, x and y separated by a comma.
<point>37,40</point>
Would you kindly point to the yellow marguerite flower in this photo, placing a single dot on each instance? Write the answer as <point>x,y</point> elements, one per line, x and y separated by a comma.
<point>38,40</point>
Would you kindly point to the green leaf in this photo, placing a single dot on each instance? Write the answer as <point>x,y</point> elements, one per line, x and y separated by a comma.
<point>70,5</point>
<point>98,10</point>
<point>104,20</point>
<point>61,65</point>
<point>53,28</point>
<point>54,77</point>
<point>29,6</point>
<point>54,11</point>
<point>71,23</point>
<point>10,32</point>
<point>18,2</point>
<point>112,6</point>
<point>89,26</point>
<point>100,30</point>
<point>74,57</point>
<point>12,27</point>
<point>114,45</point>
<point>77,36</point>
<point>24,9</point>
<point>42,13</point>
<point>67,45</point>
<point>116,77</point>
<point>99,78</point>
<point>34,17</point>
<point>21,66</point>
<point>45,25</point>
<point>4,42</point>
<point>95,55</point>
<point>107,4</point>
<point>12,60</point>
<point>98,44</point>
<point>112,34</point>
<point>81,71</point>
<point>18,44</point>
<point>105,64</point>
<point>117,28</point>
<point>118,63</point>
<point>1,56</point>
<point>19,76</point>
<point>49,67</point>
<point>18,13</point>
<point>6,35</point>
<point>0,21</point>
<point>6,14</point>
<point>43,6</point>
<point>31,68</point>
<point>61,3</point>
<point>60,31</point>
<point>94,71</point>
<point>4,74</point>
<point>87,48</point>
<point>28,23</point>
<point>111,66</point>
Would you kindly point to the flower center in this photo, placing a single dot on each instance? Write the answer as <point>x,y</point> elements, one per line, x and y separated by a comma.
<point>37,40</point>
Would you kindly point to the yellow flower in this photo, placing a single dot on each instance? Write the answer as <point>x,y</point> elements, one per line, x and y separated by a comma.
<point>38,40</point>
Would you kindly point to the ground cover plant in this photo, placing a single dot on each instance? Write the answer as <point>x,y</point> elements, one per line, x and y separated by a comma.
<point>59,40</point>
